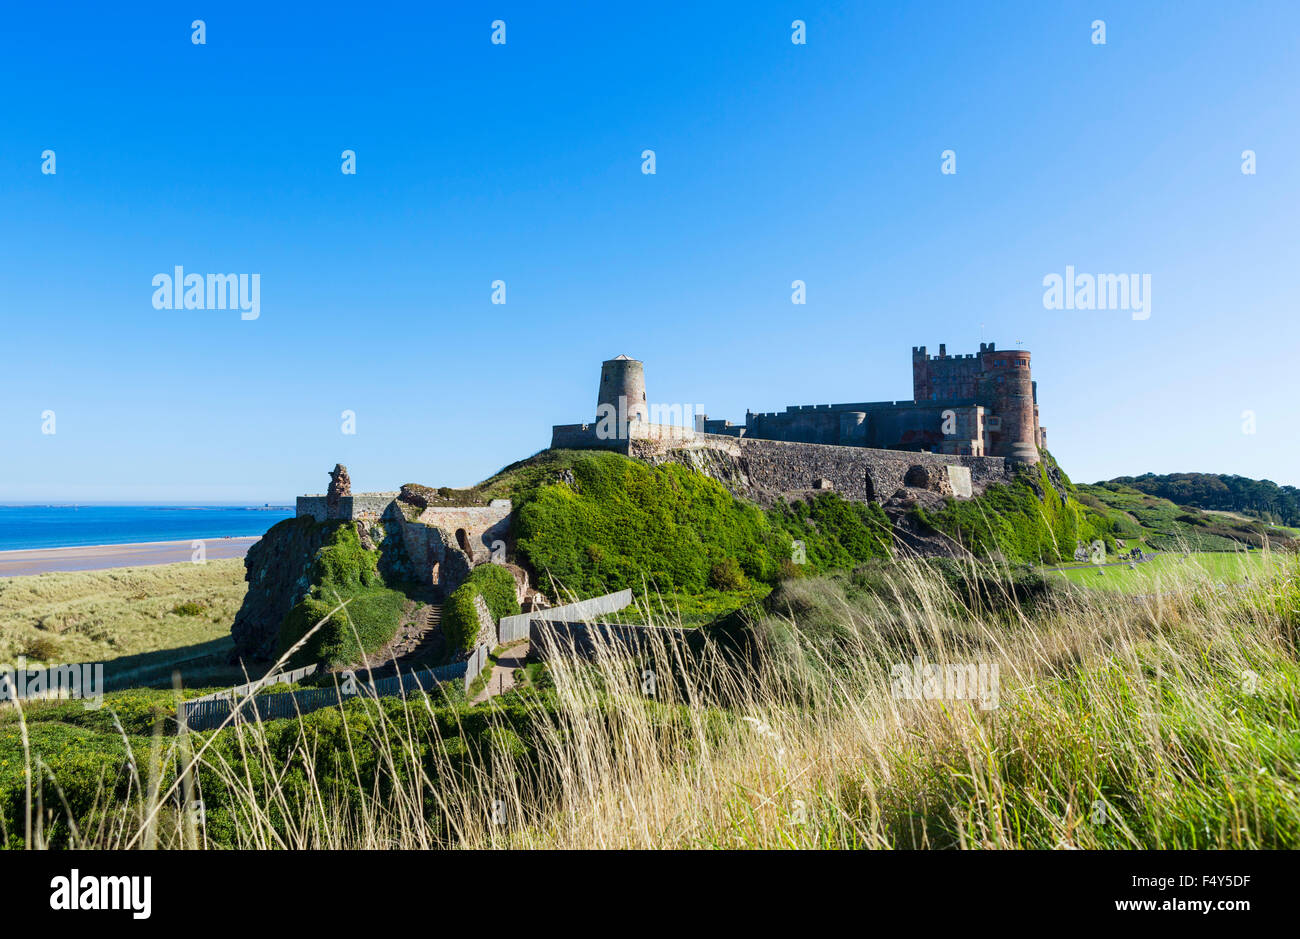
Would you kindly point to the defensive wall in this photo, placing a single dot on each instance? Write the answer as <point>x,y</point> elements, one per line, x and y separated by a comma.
<point>364,506</point>
<point>755,467</point>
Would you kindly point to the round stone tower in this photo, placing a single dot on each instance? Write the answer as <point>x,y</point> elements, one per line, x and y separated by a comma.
<point>1010,387</point>
<point>623,377</point>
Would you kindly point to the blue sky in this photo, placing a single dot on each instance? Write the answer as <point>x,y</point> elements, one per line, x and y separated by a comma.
<point>522,162</point>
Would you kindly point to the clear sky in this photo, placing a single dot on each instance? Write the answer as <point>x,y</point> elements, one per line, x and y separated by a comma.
<point>522,162</point>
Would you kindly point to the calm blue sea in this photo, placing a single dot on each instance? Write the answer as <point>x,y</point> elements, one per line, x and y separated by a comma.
<point>60,526</point>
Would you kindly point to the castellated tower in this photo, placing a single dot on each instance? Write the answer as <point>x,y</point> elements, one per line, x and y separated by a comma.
<point>623,377</point>
<point>1009,387</point>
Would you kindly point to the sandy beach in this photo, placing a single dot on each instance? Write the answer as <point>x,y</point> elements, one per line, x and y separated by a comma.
<point>99,557</point>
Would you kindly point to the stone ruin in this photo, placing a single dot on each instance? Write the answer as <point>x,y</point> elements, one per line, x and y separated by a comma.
<point>340,488</point>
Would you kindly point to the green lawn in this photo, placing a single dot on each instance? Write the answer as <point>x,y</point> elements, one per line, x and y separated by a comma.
<point>1167,569</point>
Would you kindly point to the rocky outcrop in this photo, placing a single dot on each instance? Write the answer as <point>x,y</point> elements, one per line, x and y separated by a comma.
<point>278,570</point>
<point>911,535</point>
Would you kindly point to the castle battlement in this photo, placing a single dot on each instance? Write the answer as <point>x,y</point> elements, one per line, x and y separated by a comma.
<point>982,404</point>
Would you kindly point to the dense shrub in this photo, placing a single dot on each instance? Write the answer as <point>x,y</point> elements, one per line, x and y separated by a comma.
<point>836,533</point>
<point>343,570</point>
<point>727,575</point>
<point>42,648</point>
<point>496,586</point>
<point>1025,520</point>
<point>621,523</point>
<point>85,758</point>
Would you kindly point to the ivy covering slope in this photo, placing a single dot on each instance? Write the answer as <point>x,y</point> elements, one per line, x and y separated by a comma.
<point>344,570</point>
<point>1035,518</point>
<point>622,523</point>
<point>496,586</point>
<point>836,534</point>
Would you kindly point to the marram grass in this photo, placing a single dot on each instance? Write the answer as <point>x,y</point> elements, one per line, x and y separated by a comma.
<point>1170,720</point>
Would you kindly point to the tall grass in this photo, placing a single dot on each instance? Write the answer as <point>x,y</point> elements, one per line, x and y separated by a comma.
<point>97,616</point>
<point>1167,721</point>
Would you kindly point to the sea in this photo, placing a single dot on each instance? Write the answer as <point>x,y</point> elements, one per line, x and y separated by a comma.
<point>64,526</point>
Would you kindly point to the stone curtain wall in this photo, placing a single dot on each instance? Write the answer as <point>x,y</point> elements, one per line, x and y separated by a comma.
<point>583,437</point>
<point>756,468</point>
<point>369,506</point>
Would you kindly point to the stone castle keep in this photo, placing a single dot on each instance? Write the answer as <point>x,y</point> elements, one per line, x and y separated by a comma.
<point>976,405</point>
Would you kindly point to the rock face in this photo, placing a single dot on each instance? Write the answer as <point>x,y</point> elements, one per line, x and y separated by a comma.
<point>340,486</point>
<point>278,571</point>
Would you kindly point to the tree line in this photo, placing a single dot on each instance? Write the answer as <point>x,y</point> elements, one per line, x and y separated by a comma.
<point>1260,498</point>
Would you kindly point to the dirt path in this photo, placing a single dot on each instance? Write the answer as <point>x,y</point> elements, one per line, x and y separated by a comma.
<point>502,678</point>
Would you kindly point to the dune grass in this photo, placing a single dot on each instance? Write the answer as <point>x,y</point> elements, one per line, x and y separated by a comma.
<point>98,616</point>
<point>1166,722</point>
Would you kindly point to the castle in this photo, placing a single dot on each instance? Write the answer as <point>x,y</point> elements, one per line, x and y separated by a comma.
<point>981,404</point>
<point>972,419</point>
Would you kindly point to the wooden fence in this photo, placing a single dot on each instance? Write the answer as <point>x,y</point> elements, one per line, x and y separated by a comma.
<point>240,690</point>
<point>209,712</point>
<point>518,626</point>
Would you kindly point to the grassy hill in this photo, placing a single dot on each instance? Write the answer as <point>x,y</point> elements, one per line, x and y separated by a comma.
<point>1257,498</point>
<point>782,727</point>
<point>1105,726</point>
<point>1162,525</point>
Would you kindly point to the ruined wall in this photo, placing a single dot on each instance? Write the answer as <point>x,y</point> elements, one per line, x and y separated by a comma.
<point>442,543</point>
<point>367,506</point>
<point>483,526</point>
<point>761,469</point>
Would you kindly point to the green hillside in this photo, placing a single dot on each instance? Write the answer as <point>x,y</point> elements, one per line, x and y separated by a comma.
<point>1036,517</point>
<point>598,522</point>
<point>1163,525</point>
<point>1258,498</point>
